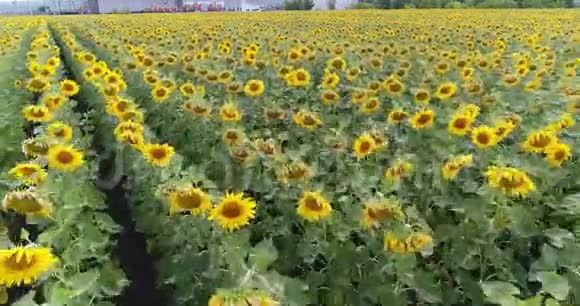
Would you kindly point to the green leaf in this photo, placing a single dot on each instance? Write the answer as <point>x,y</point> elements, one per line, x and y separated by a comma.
<point>82,282</point>
<point>263,255</point>
<point>551,302</point>
<point>533,301</point>
<point>425,284</point>
<point>112,280</point>
<point>501,293</point>
<point>59,295</point>
<point>3,296</point>
<point>558,236</point>
<point>553,284</point>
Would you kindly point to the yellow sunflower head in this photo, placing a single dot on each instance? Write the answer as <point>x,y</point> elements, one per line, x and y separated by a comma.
<point>313,207</point>
<point>190,200</point>
<point>229,112</point>
<point>64,157</point>
<point>37,84</point>
<point>23,265</point>
<point>54,101</point>
<point>453,166</point>
<point>398,169</point>
<point>330,81</point>
<point>422,96</point>
<point>511,181</point>
<point>36,113</point>
<point>459,125</point>
<point>484,137</point>
<point>307,120</point>
<point>446,91</point>
<point>59,132</point>
<point>371,105</point>
<point>160,94</point>
<point>364,145</point>
<point>422,119</point>
<point>538,141</point>
<point>376,211</point>
<point>187,89</point>
<point>233,137</point>
<point>27,202</point>
<point>557,153</point>
<point>28,173</point>
<point>34,147</point>
<point>233,211</point>
<point>159,155</point>
<point>254,88</point>
<point>69,88</point>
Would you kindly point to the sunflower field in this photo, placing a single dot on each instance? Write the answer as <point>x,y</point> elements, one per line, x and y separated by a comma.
<point>405,157</point>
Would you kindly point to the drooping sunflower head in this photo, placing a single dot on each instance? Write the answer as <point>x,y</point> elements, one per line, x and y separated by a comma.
<point>293,172</point>
<point>159,155</point>
<point>364,145</point>
<point>484,137</point>
<point>313,207</point>
<point>27,202</point>
<point>423,119</point>
<point>190,200</point>
<point>64,157</point>
<point>254,88</point>
<point>69,88</point>
<point>59,132</point>
<point>23,265</point>
<point>233,211</point>
<point>34,147</point>
<point>37,84</point>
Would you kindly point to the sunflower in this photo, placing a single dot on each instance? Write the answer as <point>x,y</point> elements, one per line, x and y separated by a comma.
<point>557,153</point>
<point>34,147</point>
<point>330,81</point>
<point>187,89</point>
<point>294,172</point>
<point>307,120</point>
<point>364,145</point>
<point>397,170</point>
<point>233,211</point>
<point>538,141</point>
<point>484,137</point>
<point>229,112</point>
<point>254,88</point>
<point>37,84</point>
<point>459,125</point>
<point>59,132</point>
<point>69,88</point>
<point>393,244</point>
<point>266,147</point>
<point>23,265</point>
<point>422,96</point>
<point>64,157</point>
<point>160,93</point>
<point>159,155</point>
<point>329,97</point>
<point>503,129</point>
<point>27,202</point>
<point>422,119</point>
<point>36,113</point>
<point>453,166</point>
<point>371,105</point>
<point>418,241</point>
<point>376,211</point>
<point>394,87</point>
<point>446,91</point>
<point>28,173</point>
<point>191,200</point>
<point>313,207</point>
<point>397,116</point>
<point>510,80</point>
<point>511,181</point>
<point>298,78</point>
<point>54,101</point>
<point>233,137</point>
